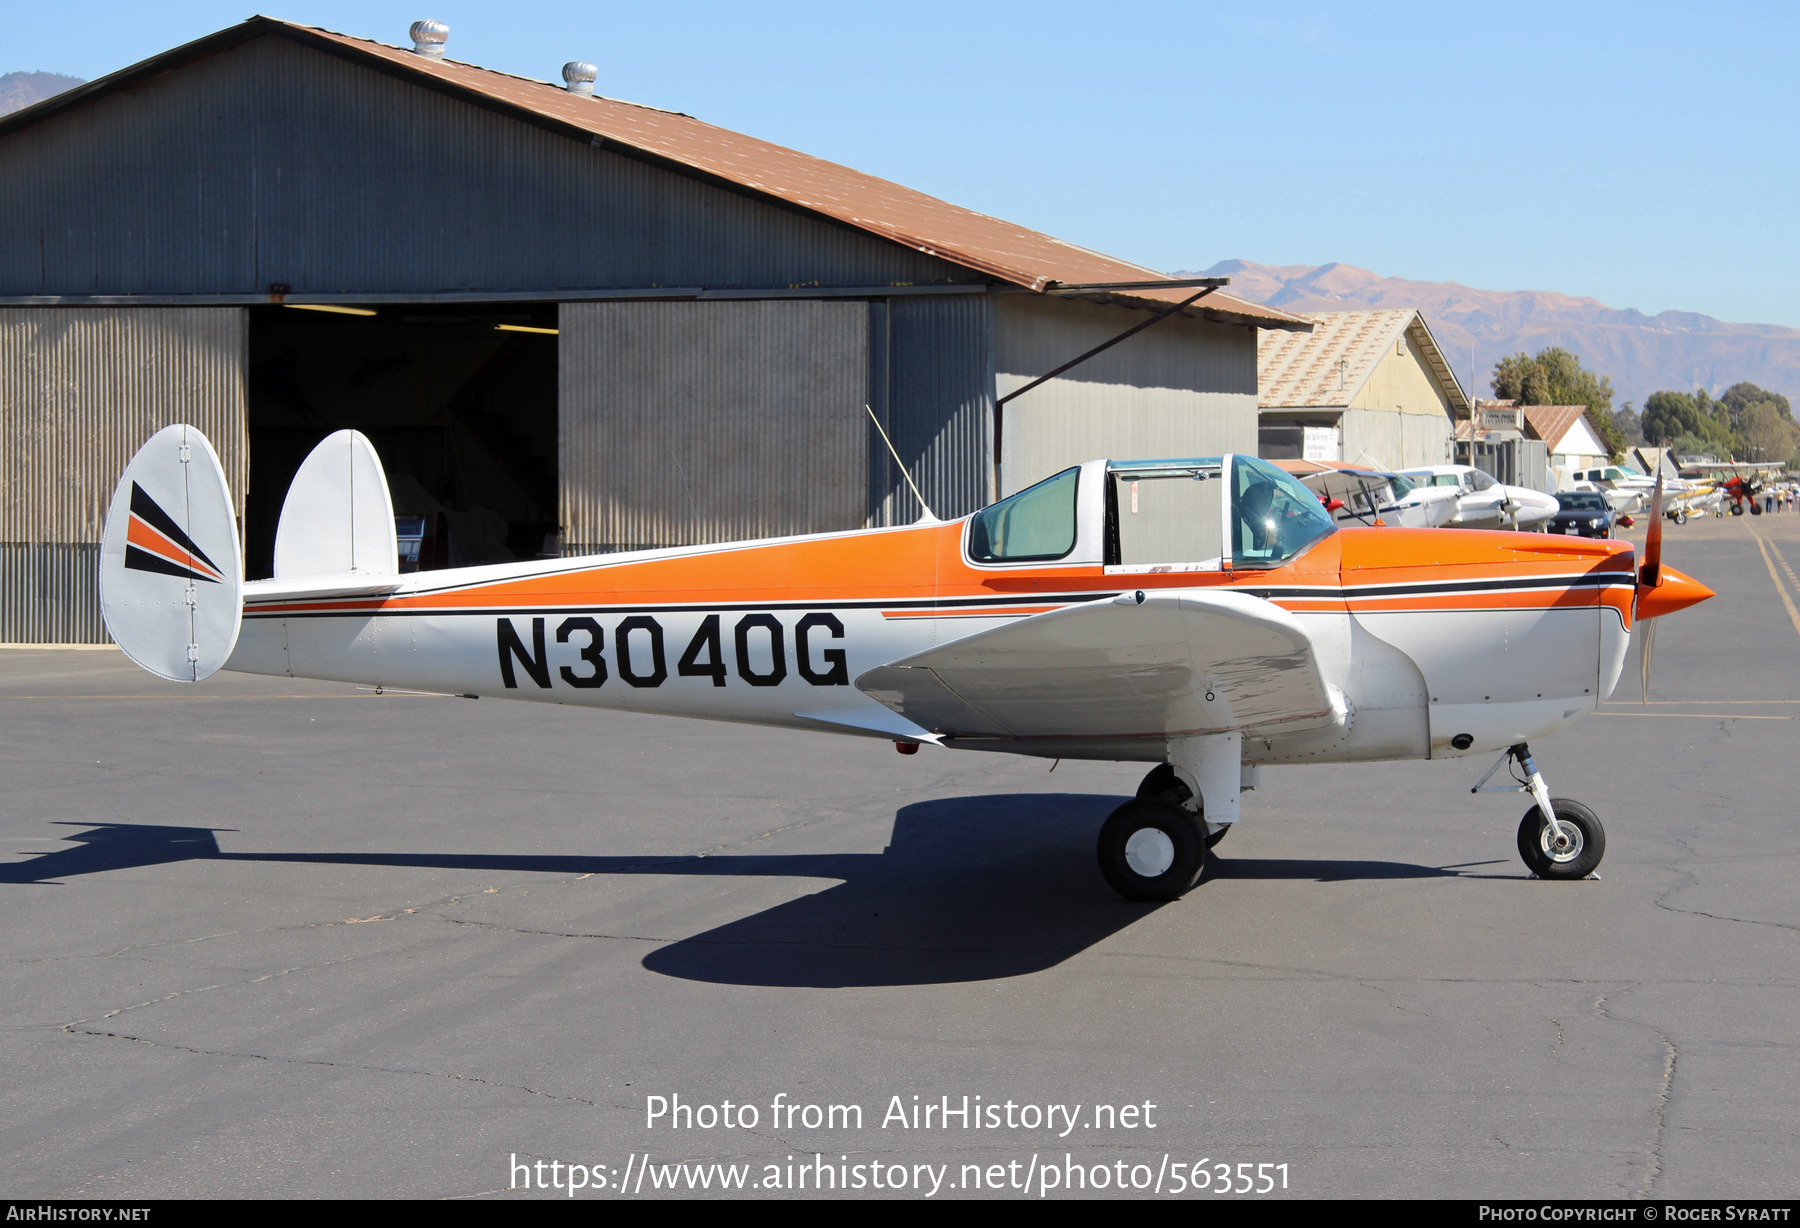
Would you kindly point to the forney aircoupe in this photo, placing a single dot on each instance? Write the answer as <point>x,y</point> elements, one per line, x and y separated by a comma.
<point>1203,615</point>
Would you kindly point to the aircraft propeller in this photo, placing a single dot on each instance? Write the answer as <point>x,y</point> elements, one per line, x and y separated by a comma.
<point>1649,576</point>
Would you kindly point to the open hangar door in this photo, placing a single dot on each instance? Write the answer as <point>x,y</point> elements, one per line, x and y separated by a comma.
<point>459,400</point>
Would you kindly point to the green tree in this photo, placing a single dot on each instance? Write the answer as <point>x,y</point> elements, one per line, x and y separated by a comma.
<point>1740,396</point>
<point>1766,433</point>
<point>1629,424</point>
<point>1668,416</point>
<point>1555,376</point>
<point>1672,417</point>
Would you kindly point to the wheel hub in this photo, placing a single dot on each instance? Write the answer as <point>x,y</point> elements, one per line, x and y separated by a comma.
<point>1568,848</point>
<point>1149,852</point>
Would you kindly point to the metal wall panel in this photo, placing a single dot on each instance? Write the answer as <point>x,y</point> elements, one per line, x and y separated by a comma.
<point>81,389</point>
<point>272,162</point>
<point>939,394</point>
<point>50,594</point>
<point>1185,387</point>
<point>682,423</point>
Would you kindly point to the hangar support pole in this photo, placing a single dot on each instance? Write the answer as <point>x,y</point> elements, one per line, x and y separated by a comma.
<point>1134,330</point>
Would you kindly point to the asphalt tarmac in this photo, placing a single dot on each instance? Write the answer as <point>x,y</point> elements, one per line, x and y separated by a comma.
<point>272,939</point>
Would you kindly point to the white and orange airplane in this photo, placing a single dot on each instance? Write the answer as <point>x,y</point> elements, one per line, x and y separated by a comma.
<point>1203,615</point>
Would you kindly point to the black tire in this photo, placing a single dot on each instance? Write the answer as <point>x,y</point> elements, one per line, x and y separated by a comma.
<point>1737,509</point>
<point>1680,517</point>
<point>1165,785</point>
<point>1755,508</point>
<point>1150,850</point>
<point>1574,863</point>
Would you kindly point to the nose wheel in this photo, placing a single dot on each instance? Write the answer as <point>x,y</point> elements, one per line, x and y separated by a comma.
<point>1558,838</point>
<point>1572,850</point>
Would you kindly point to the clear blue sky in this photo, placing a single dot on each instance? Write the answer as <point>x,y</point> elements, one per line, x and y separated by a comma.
<point>1643,154</point>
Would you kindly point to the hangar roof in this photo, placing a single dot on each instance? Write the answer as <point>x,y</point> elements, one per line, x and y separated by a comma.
<point>1000,249</point>
<point>1552,423</point>
<point>1330,365</point>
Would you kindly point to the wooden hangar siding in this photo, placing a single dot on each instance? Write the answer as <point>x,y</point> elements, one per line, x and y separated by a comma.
<point>181,196</point>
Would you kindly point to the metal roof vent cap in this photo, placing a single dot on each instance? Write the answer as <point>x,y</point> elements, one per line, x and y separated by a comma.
<point>429,38</point>
<point>579,77</point>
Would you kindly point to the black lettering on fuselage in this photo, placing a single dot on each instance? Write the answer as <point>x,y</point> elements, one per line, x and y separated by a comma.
<point>659,670</point>
<point>705,639</point>
<point>537,663</point>
<point>837,666</point>
<point>777,650</point>
<point>590,654</point>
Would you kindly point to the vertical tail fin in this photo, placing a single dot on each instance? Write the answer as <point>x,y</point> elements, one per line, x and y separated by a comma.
<point>171,575</point>
<point>338,518</point>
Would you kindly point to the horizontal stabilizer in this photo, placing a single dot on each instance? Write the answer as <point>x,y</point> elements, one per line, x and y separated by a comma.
<point>315,588</point>
<point>1147,665</point>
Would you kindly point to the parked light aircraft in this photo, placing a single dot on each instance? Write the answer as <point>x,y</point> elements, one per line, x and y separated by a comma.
<point>1370,497</point>
<point>1202,615</point>
<point>1742,484</point>
<point>1625,491</point>
<point>1483,503</point>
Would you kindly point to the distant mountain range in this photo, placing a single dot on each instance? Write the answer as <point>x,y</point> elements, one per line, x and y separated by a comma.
<point>1676,349</point>
<point>21,89</point>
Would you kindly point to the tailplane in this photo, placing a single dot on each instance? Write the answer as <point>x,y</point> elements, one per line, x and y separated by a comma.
<point>171,574</point>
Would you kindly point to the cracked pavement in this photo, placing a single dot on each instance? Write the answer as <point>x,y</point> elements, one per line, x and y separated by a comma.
<point>269,938</point>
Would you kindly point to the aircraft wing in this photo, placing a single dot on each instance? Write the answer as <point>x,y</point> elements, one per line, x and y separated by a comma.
<point>1139,665</point>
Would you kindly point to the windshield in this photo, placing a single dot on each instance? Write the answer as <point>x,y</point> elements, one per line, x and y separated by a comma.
<point>1273,516</point>
<point>1402,486</point>
<point>1036,524</point>
<point>1581,503</point>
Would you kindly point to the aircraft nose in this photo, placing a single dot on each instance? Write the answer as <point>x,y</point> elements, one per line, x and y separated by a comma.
<point>1675,592</point>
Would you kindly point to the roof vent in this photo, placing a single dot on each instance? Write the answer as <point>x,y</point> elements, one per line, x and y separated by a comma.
<point>578,77</point>
<point>429,37</point>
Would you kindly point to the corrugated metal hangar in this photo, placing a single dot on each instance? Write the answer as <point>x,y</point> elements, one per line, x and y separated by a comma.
<point>568,323</point>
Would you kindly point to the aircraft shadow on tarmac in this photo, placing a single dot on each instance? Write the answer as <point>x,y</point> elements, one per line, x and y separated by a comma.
<point>969,889</point>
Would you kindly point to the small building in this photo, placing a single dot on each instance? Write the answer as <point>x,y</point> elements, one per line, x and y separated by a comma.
<point>1496,440</point>
<point>1367,387</point>
<point>567,322</point>
<point>1569,435</point>
<point>1652,461</point>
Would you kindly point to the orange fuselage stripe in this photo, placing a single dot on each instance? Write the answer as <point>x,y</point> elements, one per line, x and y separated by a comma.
<point>926,564</point>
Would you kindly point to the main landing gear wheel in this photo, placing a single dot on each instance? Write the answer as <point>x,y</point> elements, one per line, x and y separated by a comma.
<point>1151,850</point>
<point>1680,517</point>
<point>1737,509</point>
<point>1163,784</point>
<point>1579,852</point>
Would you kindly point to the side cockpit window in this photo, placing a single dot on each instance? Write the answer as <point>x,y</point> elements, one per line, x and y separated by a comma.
<point>1169,513</point>
<point>1035,525</point>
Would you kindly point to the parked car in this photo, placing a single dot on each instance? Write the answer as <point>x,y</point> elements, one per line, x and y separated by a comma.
<point>1582,513</point>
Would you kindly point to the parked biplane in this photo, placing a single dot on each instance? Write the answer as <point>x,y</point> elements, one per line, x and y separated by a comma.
<point>1739,481</point>
<point>1204,615</point>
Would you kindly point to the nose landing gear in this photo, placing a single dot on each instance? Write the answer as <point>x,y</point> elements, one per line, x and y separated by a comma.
<point>1558,838</point>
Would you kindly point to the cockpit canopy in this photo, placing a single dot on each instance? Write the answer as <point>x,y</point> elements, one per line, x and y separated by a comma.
<point>1186,514</point>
